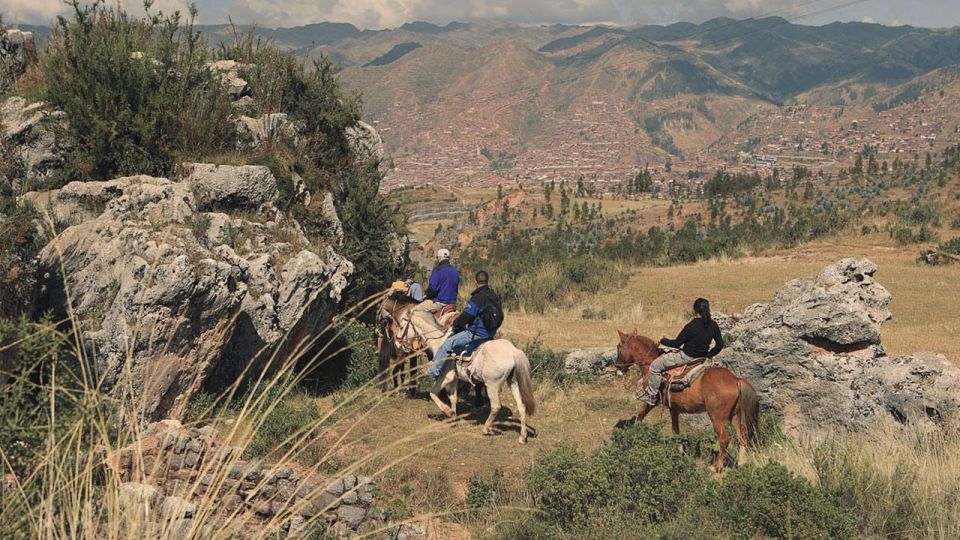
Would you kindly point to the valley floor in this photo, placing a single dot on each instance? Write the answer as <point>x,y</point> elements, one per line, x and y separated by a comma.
<point>926,316</point>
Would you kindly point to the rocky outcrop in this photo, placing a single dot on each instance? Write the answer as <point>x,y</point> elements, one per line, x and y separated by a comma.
<point>231,75</point>
<point>814,354</point>
<point>34,137</point>
<point>365,141</point>
<point>594,361</point>
<point>17,52</point>
<point>175,474</point>
<point>172,292</point>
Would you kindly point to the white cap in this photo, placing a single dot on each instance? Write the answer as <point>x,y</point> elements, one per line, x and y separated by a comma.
<point>443,254</point>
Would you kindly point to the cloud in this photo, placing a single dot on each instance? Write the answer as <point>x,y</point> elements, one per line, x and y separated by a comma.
<point>46,11</point>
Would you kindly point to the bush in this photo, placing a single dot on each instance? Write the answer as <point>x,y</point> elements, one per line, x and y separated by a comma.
<point>136,92</point>
<point>288,417</point>
<point>361,354</point>
<point>771,501</point>
<point>568,485</point>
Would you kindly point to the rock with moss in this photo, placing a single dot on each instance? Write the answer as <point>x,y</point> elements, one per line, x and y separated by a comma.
<point>17,52</point>
<point>34,136</point>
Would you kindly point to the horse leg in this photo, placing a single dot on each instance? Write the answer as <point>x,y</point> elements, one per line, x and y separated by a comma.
<point>522,409</point>
<point>437,386</point>
<point>719,426</point>
<point>645,409</point>
<point>493,392</point>
<point>452,390</point>
<point>675,420</point>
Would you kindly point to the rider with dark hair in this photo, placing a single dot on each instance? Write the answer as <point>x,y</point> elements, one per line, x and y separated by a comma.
<point>693,344</point>
<point>479,322</point>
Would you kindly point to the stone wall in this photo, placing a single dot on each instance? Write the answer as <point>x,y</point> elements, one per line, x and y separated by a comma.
<point>176,474</point>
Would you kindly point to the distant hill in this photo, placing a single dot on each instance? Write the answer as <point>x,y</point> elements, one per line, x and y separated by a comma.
<point>605,99</point>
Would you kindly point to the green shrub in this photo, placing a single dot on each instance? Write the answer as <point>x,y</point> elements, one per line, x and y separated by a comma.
<point>362,362</point>
<point>482,492</point>
<point>547,365</point>
<point>288,417</point>
<point>649,479</point>
<point>568,485</point>
<point>771,501</point>
<point>137,92</point>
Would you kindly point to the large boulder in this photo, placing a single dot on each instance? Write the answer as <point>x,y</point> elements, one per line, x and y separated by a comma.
<point>815,356</point>
<point>171,295</point>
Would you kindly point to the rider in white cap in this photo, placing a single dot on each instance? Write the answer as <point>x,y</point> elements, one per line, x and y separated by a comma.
<point>443,286</point>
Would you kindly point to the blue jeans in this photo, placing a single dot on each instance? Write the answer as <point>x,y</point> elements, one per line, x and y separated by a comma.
<point>458,340</point>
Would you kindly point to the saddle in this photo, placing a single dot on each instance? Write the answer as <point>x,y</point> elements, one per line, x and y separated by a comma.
<point>447,315</point>
<point>680,378</point>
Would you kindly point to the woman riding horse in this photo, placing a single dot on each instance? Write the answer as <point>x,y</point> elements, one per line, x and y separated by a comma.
<point>692,344</point>
<point>716,391</point>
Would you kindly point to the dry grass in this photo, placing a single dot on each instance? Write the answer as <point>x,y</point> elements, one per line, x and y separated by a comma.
<point>658,300</point>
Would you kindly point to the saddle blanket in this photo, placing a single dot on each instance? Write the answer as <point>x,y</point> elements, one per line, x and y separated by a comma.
<point>681,377</point>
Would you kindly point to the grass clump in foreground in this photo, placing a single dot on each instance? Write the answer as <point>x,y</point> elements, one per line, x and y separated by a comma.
<point>874,484</point>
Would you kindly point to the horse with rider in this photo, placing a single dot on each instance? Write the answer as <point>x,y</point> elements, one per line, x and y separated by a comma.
<point>463,348</point>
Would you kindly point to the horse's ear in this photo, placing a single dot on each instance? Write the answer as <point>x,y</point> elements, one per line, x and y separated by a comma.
<point>635,330</point>
<point>623,336</point>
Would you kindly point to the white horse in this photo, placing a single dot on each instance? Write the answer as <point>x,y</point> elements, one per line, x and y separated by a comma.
<point>495,363</point>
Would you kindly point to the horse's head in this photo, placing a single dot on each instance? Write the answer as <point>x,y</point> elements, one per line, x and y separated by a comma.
<point>634,349</point>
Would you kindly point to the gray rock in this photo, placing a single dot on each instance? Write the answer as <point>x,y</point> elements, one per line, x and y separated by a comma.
<point>365,141</point>
<point>229,187</point>
<point>165,308</point>
<point>17,52</point>
<point>142,498</point>
<point>230,75</point>
<point>174,507</point>
<point>351,516</point>
<point>814,354</point>
<point>590,361</point>
<point>253,132</point>
<point>37,137</point>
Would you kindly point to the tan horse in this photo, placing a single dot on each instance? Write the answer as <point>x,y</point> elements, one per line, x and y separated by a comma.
<point>494,364</point>
<point>717,391</point>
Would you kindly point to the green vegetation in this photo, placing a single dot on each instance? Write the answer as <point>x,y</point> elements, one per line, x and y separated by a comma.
<point>637,484</point>
<point>137,92</point>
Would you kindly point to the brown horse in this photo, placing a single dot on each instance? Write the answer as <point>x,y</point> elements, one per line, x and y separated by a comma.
<point>717,391</point>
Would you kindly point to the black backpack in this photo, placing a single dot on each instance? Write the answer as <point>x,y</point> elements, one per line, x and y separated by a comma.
<point>492,315</point>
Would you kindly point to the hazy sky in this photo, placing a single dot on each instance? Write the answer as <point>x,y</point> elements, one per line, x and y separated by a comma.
<point>392,13</point>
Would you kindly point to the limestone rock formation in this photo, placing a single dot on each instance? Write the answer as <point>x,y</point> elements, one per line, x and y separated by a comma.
<point>815,356</point>
<point>230,72</point>
<point>592,361</point>
<point>173,292</point>
<point>17,52</point>
<point>366,141</point>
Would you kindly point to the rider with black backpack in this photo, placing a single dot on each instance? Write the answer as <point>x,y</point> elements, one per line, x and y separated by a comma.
<point>479,322</point>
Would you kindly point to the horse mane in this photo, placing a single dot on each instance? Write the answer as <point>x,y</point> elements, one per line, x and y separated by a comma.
<point>645,346</point>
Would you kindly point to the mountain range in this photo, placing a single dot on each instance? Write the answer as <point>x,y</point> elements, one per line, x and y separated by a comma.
<point>494,98</point>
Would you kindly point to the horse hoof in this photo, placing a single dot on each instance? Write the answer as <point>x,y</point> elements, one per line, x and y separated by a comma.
<point>624,423</point>
<point>523,440</point>
<point>488,433</point>
<point>715,469</point>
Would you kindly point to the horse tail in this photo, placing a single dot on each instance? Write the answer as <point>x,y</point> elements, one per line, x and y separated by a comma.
<point>521,374</point>
<point>749,410</point>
